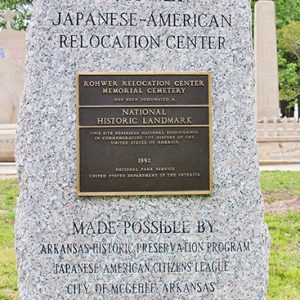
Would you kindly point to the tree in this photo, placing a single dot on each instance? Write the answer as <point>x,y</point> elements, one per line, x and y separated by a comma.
<point>22,8</point>
<point>289,39</point>
<point>289,78</point>
<point>289,60</point>
<point>287,11</point>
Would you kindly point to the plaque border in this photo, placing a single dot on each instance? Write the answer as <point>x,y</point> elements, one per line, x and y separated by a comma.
<point>146,193</point>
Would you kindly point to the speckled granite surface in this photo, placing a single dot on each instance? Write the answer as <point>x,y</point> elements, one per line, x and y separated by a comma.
<point>225,254</point>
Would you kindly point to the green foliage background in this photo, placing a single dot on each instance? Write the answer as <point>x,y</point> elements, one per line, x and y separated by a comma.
<point>22,8</point>
<point>288,25</point>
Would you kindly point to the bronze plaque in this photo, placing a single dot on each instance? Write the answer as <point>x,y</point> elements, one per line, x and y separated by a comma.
<point>144,134</point>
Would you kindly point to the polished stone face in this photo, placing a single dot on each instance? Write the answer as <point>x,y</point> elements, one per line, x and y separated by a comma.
<point>171,247</point>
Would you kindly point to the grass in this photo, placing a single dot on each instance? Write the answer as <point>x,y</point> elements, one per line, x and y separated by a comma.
<point>8,271</point>
<point>278,185</point>
<point>284,281</point>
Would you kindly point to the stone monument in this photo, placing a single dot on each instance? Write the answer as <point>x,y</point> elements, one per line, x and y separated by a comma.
<point>12,77</point>
<point>136,153</point>
<point>12,71</point>
<point>267,86</point>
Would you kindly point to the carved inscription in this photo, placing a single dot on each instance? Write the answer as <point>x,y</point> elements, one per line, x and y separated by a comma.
<point>164,266</point>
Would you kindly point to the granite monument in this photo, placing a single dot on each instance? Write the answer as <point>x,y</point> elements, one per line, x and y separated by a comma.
<point>149,244</point>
